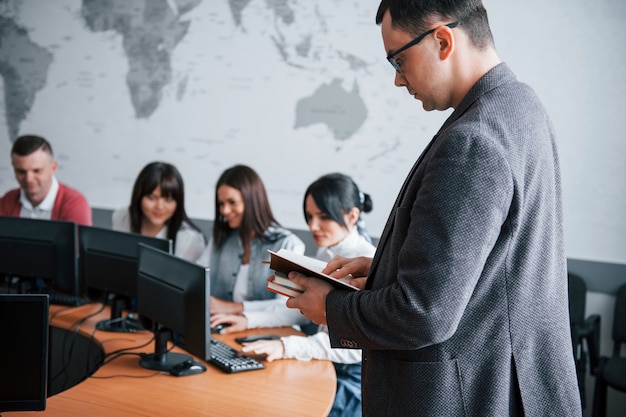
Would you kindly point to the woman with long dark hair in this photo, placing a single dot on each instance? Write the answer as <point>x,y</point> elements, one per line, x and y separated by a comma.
<point>244,230</point>
<point>157,208</point>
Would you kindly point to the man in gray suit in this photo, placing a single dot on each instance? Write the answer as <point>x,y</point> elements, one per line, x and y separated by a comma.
<point>463,310</point>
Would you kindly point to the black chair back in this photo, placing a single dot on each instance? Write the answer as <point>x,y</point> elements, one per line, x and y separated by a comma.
<point>585,332</point>
<point>619,321</point>
<point>611,370</point>
<point>577,292</point>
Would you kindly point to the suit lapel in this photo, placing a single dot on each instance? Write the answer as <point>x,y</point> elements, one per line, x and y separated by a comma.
<point>390,220</point>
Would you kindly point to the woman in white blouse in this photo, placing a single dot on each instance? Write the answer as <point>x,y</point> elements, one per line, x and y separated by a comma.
<point>157,209</point>
<point>332,208</point>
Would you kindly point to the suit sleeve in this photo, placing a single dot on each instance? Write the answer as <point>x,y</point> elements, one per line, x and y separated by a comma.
<point>317,346</point>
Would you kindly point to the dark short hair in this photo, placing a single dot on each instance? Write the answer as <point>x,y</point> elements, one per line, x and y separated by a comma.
<point>171,182</point>
<point>26,144</point>
<point>413,17</point>
<point>257,215</point>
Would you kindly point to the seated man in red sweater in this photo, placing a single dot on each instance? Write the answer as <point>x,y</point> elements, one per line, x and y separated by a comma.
<point>41,195</point>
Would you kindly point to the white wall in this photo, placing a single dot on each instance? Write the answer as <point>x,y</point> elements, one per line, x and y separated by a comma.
<point>572,53</point>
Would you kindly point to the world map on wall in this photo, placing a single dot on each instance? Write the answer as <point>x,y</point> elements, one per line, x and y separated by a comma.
<point>150,30</point>
<point>205,84</point>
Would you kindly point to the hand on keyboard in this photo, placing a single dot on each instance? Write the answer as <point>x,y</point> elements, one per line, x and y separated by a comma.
<point>230,360</point>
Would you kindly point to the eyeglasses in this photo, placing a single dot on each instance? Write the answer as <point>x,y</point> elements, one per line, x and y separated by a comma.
<point>391,56</point>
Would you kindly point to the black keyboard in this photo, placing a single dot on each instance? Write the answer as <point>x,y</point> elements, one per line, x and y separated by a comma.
<point>68,300</point>
<point>228,360</point>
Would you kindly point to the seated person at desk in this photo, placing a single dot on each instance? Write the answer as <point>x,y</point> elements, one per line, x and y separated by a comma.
<point>157,209</point>
<point>244,230</point>
<point>332,208</point>
<point>40,195</point>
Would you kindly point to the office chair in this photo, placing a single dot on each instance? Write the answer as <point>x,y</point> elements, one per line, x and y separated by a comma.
<point>611,370</point>
<point>584,331</point>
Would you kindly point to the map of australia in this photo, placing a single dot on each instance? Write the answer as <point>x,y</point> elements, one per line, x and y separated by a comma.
<point>303,41</point>
<point>342,111</point>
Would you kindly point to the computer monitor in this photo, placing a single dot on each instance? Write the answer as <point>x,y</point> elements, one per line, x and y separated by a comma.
<point>108,266</point>
<point>174,295</point>
<point>39,255</point>
<point>23,352</point>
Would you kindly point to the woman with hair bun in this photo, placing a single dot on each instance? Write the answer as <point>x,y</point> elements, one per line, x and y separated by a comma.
<point>332,208</point>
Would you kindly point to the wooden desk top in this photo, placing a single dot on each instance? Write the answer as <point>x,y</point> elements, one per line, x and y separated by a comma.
<point>123,388</point>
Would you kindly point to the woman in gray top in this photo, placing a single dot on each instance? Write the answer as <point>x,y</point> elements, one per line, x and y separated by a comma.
<point>244,230</point>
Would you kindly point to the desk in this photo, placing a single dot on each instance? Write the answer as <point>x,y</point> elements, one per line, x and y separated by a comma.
<point>122,388</point>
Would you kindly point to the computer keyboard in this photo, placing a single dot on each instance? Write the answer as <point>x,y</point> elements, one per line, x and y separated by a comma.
<point>228,360</point>
<point>68,300</point>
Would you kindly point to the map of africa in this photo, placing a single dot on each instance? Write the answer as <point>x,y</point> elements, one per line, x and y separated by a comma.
<point>294,89</point>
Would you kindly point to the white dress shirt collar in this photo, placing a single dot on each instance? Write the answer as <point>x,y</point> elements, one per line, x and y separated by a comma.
<point>46,204</point>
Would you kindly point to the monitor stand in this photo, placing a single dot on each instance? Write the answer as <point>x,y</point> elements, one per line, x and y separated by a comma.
<point>162,359</point>
<point>117,322</point>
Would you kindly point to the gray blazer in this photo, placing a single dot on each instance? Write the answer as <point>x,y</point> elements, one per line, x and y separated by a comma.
<point>465,310</point>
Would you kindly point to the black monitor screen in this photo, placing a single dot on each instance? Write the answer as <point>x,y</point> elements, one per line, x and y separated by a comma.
<point>34,250</point>
<point>108,258</point>
<point>174,294</point>
<point>108,262</point>
<point>23,351</point>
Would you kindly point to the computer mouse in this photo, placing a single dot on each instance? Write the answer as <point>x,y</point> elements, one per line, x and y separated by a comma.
<point>188,367</point>
<point>219,327</point>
